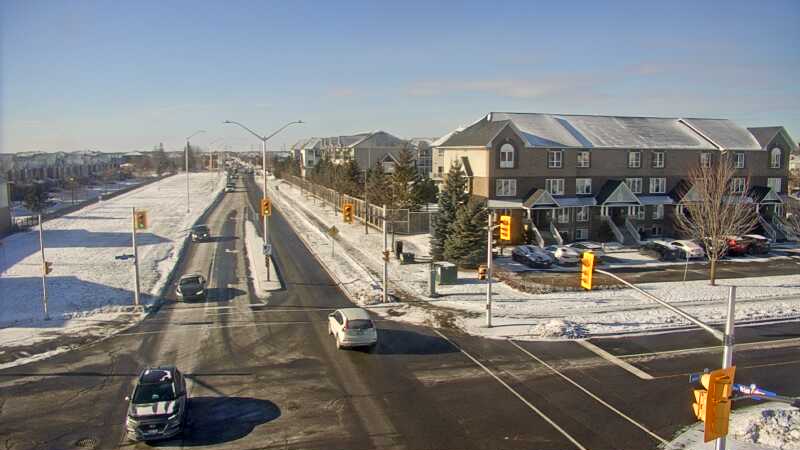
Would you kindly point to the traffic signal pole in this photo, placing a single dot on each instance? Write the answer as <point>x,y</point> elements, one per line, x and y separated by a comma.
<point>727,353</point>
<point>44,269</point>
<point>385,260</point>
<point>489,272</point>
<point>135,258</point>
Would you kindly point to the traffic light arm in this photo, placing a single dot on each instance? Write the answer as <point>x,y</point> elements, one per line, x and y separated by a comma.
<point>716,333</point>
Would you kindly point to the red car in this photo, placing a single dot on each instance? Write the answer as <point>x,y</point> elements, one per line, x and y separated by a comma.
<point>737,246</point>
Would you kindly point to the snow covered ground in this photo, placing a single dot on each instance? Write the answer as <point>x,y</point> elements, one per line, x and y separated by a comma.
<point>759,427</point>
<point>90,293</point>
<point>358,265</point>
<point>64,198</point>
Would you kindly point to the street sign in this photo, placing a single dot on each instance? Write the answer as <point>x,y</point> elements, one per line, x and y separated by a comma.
<point>752,390</point>
<point>267,249</point>
<point>123,257</point>
<point>333,231</point>
<point>695,377</point>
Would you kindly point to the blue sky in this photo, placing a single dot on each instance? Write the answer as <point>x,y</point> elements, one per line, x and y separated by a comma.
<point>120,76</point>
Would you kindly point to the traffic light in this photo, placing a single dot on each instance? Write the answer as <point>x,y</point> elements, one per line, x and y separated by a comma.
<point>587,268</point>
<point>347,212</point>
<point>505,228</point>
<point>48,267</point>
<point>140,220</point>
<point>266,207</point>
<point>712,405</point>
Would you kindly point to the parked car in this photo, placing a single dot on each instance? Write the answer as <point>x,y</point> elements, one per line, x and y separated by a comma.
<point>157,408</point>
<point>564,255</point>
<point>594,247</point>
<point>200,233</point>
<point>192,287</point>
<point>688,249</point>
<point>757,244</point>
<point>230,188</point>
<point>352,327</point>
<point>737,246</point>
<point>532,256</point>
<point>659,250</point>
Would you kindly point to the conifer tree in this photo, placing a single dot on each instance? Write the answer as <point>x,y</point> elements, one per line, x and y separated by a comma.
<point>379,187</point>
<point>465,246</point>
<point>453,195</point>
<point>405,182</point>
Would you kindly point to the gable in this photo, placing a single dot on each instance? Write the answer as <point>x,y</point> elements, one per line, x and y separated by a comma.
<point>618,194</point>
<point>540,199</point>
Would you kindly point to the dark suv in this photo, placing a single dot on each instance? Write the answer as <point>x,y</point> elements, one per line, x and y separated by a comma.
<point>200,233</point>
<point>157,407</point>
<point>192,287</point>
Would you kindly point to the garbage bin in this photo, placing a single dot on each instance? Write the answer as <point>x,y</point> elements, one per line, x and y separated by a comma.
<point>446,273</point>
<point>398,248</point>
<point>482,272</point>
<point>406,258</point>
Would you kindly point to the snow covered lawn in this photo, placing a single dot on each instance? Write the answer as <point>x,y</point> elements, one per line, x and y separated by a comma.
<point>63,198</point>
<point>90,293</point>
<point>358,264</point>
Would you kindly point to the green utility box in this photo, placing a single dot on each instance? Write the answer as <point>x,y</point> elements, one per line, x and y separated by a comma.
<point>446,273</point>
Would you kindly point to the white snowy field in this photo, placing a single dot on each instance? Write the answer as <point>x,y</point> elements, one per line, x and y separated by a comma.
<point>769,426</point>
<point>64,198</point>
<point>90,293</point>
<point>358,262</point>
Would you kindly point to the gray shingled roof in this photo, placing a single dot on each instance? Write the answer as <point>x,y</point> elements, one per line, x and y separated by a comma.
<point>764,135</point>
<point>583,131</point>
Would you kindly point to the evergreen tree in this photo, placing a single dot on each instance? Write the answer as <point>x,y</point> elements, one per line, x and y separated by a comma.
<point>427,190</point>
<point>465,246</point>
<point>378,186</point>
<point>160,160</point>
<point>36,198</point>
<point>349,180</point>
<point>405,182</point>
<point>452,196</point>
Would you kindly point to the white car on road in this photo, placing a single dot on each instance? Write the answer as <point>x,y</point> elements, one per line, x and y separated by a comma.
<point>564,255</point>
<point>689,249</point>
<point>352,327</point>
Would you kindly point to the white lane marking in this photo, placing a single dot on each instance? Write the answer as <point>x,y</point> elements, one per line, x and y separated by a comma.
<point>601,401</point>
<point>205,327</point>
<point>744,346</point>
<point>517,394</point>
<point>614,360</point>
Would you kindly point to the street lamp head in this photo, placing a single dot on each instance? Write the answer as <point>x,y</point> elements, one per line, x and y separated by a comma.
<point>227,121</point>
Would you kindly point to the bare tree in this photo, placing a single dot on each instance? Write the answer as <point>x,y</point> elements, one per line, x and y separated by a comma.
<point>715,205</point>
<point>792,220</point>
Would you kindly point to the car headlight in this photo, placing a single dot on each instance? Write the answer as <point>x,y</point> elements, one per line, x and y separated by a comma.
<point>174,416</point>
<point>131,422</point>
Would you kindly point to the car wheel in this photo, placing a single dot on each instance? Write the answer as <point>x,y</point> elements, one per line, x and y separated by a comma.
<point>338,344</point>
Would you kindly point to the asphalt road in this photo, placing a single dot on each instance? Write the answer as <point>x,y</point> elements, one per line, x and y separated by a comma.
<point>265,374</point>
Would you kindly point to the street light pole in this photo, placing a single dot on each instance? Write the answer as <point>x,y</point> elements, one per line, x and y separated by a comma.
<point>187,166</point>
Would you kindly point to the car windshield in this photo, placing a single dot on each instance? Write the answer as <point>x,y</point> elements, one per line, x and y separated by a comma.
<point>359,324</point>
<point>152,393</point>
<point>202,229</point>
<point>190,280</point>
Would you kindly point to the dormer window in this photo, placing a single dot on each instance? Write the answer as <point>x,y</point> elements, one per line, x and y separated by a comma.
<point>775,158</point>
<point>507,156</point>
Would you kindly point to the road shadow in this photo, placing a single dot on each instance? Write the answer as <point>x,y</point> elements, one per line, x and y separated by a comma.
<point>393,341</point>
<point>222,238</point>
<point>217,420</point>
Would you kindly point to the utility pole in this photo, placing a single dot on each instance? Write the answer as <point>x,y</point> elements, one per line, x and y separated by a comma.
<point>44,268</point>
<point>489,272</point>
<point>187,178</point>
<point>727,352</point>
<point>264,168</point>
<point>135,258</point>
<point>385,260</point>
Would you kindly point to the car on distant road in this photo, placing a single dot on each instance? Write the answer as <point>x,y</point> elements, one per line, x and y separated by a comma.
<point>688,249</point>
<point>757,244</point>
<point>594,247</point>
<point>192,287</point>
<point>532,256</point>
<point>230,188</point>
<point>659,250</point>
<point>157,408</point>
<point>564,255</point>
<point>200,233</point>
<point>737,246</point>
<point>352,327</point>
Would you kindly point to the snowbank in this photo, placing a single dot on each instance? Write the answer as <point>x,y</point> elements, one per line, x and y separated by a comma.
<point>517,314</point>
<point>89,291</point>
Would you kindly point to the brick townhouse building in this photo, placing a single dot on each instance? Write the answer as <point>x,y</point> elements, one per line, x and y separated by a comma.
<point>569,177</point>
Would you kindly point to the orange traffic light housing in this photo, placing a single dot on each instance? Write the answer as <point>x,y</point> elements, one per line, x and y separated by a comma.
<point>505,228</point>
<point>140,220</point>
<point>712,405</point>
<point>347,212</point>
<point>587,270</point>
<point>266,207</point>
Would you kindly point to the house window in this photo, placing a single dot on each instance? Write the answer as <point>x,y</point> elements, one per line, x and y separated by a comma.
<point>506,156</point>
<point>604,211</point>
<point>583,186</point>
<point>635,184</point>
<point>705,160</point>
<point>636,212</point>
<point>584,159</point>
<point>506,187</point>
<point>658,212</point>
<point>775,158</point>
<point>582,214</point>
<point>656,230</point>
<point>581,234</point>
<point>738,161</point>
<point>554,159</point>
<point>774,184</point>
<point>737,185</point>
<point>658,185</point>
<point>440,169</point>
<point>563,215</point>
<point>634,159</point>
<point>658,160</point>
<point>554,186</point>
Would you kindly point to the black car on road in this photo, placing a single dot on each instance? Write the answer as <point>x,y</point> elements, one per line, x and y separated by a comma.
<point>157,408</point>
<point>192,287</point>
<point>660,251</point>
<point>200,233</point>
<point>532,256</point>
